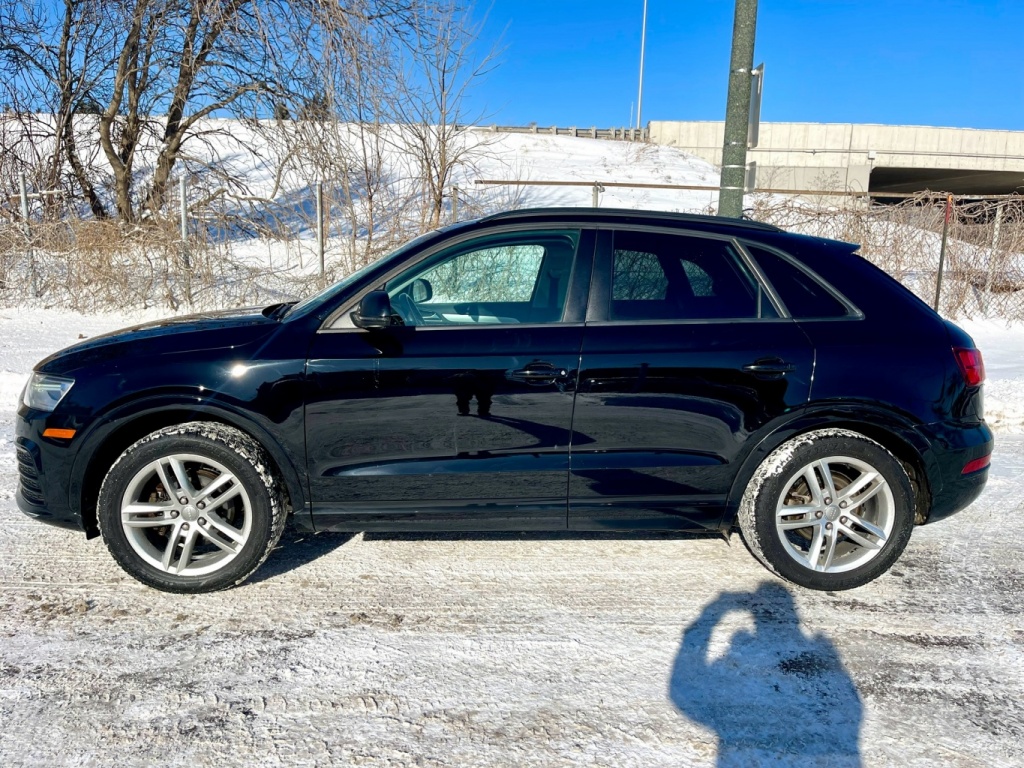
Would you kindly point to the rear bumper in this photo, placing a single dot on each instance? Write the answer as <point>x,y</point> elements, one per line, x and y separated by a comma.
<point>953,445</point>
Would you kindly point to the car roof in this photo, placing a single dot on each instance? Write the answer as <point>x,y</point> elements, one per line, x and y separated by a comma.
<point>627,216</point>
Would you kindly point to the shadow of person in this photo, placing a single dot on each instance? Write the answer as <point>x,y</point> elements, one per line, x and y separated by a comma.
<point>772,693</point>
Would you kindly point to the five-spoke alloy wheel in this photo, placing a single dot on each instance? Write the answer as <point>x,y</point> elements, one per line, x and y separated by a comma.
<point>830,509</point>
<point>191,508</point>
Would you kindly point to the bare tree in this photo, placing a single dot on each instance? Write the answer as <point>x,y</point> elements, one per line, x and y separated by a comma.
<point>152,71</point>
<point>442,68</point>
<point>46,84</point>
<point>350,66</point>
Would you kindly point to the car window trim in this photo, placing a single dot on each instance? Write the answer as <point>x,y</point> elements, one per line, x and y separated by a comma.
<point>599,306</point>
<point>581,259</point>
<point>852,310</point>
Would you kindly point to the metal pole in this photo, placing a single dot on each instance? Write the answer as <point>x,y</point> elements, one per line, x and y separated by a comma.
<point>596,188</point>
<point>183,202</point>
<point>942,250</point>
<point>320,224</point>
<point>737,110</point>
<point>23,189</point>
<point>455,203</point>
<point>183,223</point>
<point>643,45</point>
<point>992,257</point>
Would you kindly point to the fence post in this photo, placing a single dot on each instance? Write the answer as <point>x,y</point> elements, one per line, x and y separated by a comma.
<point>455,202</point>
<point>183,222</point>
<point>23,189</point>
<point>992,258</point>
<point>597,189</point>
<point>320,224</point>
<point>942,250</point>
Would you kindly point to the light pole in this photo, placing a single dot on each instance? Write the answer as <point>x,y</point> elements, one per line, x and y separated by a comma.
<point>643,42</point>
<point>737,110</point>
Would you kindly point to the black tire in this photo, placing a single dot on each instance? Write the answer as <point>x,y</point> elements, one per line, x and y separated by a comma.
<point>858,517</point>
<point>223,515</point>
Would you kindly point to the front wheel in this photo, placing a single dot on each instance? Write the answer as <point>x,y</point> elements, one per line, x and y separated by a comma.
<point>829,510</point>
<point>191,508</point>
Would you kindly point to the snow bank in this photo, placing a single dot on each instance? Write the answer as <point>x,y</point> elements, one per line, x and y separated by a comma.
<point>1002,348</point>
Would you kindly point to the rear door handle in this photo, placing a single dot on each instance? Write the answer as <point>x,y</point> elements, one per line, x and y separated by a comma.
<point>538,373</point>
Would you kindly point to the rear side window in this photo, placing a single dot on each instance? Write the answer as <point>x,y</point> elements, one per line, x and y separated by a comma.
<point>803,296</point>
<point>658,276</point>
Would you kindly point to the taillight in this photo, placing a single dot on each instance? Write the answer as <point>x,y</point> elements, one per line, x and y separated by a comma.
<point>971,365</point>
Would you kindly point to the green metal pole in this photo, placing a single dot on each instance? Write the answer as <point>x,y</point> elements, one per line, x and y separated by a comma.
<point>737,110</point>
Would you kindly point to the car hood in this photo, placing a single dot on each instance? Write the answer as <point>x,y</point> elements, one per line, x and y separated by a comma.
<point>207,331</point>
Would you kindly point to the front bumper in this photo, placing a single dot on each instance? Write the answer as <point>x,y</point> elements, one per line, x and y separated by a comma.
<point>44,470</point>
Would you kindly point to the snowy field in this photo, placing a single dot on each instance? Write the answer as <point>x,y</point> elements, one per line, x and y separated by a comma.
<point>514,650</point>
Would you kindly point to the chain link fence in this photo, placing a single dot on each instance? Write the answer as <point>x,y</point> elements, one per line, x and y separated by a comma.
<point>983,264</point>
<point>262,254</point>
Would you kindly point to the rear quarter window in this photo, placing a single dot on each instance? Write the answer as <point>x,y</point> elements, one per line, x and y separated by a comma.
<point>804,296</point>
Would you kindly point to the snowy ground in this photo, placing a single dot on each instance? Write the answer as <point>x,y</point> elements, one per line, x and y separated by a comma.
<point>516,650</point>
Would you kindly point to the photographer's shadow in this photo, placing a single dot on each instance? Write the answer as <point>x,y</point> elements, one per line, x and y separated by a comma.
<point>774,694</point>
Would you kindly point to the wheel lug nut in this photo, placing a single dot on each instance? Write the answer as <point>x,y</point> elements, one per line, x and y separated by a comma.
<point>828,526</point>
<point>828,500</point>
<point>842,520</point>
<point>818,513</point>
<point>183,500</point>
<point>201,505</point>
<point>174,513</point>
<point>842,504</point>
<point>184,526</point>
<point>201,521</point>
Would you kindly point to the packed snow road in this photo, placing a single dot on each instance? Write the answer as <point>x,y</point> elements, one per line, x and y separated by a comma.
<point>509,650</point>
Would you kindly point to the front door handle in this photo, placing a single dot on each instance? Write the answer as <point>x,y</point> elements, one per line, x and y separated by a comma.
<point>769,366</point>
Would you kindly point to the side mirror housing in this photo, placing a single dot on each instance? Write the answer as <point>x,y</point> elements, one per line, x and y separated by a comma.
<point>374,311</point>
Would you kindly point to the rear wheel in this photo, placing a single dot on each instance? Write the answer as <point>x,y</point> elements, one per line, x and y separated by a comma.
<point>191,508</point>
<point>830,509</point>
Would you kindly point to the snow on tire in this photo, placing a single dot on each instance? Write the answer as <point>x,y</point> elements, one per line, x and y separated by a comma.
<point>193,507</point>
<point>830,509</point>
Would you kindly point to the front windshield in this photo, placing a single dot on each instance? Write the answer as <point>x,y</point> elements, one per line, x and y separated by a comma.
<point>335,288</point>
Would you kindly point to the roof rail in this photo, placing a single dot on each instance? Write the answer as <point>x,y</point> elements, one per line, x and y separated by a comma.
<point>630,213</point>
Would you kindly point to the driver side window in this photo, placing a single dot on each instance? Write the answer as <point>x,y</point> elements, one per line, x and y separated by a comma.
<point>520,277</point>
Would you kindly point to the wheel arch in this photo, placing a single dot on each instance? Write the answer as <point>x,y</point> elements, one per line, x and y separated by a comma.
<point>887,429</point>
<point>105,446</point>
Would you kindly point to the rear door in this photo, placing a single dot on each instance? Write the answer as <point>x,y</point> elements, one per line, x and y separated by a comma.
<point>685,356</point>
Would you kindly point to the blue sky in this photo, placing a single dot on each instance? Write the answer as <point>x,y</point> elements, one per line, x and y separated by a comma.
<point>924,62</point>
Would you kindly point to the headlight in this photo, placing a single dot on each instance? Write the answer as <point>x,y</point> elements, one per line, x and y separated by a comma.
<point>44,391</point>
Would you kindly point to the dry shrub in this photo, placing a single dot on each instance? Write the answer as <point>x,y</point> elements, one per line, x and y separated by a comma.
<point>95,265</point>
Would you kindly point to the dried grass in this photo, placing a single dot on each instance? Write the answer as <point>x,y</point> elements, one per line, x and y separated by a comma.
<point>96,265</point>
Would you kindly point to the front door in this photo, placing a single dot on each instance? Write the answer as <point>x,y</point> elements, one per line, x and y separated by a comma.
<point>459,416</point>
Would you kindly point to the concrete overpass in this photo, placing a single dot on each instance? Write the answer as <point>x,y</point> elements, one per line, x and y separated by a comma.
<point>898,159</point>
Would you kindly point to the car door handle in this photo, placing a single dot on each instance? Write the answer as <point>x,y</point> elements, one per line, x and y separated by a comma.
<point>769,366</point>
<point>538,373</point>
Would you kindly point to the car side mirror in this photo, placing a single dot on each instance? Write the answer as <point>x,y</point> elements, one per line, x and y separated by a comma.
<point>374,311</point>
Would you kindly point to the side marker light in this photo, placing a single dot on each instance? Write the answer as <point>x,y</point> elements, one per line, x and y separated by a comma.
<point>60,434</point>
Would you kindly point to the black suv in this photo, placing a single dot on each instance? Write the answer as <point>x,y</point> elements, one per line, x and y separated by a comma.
<point>539,370</point>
